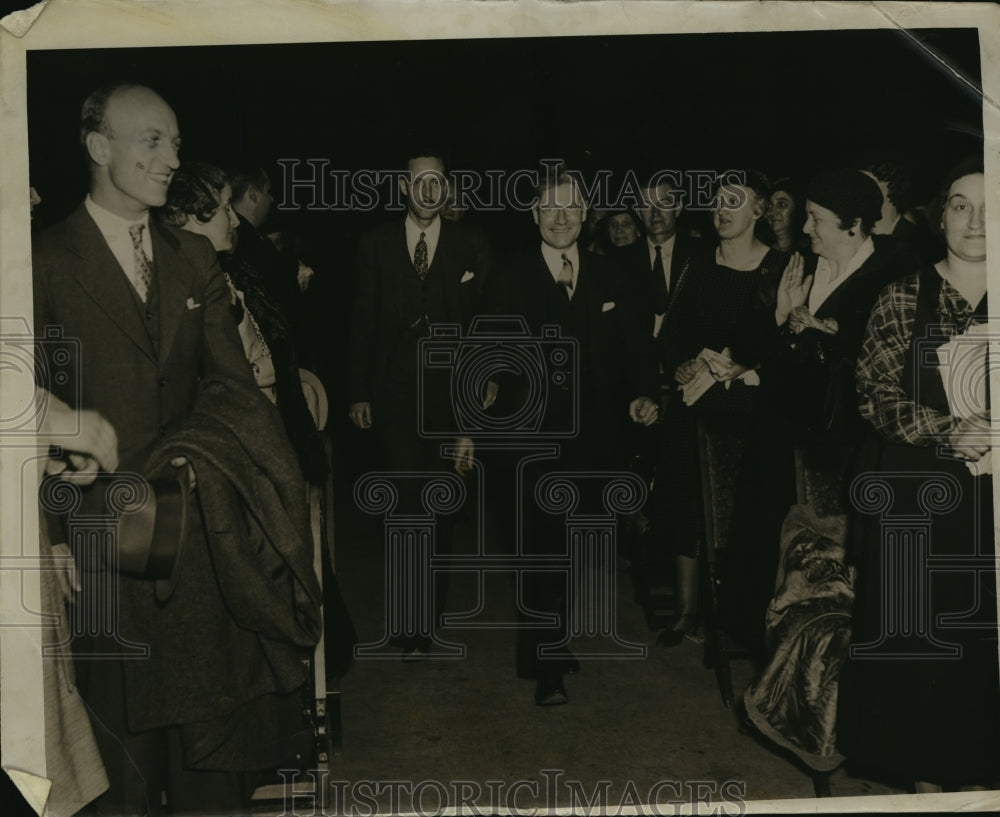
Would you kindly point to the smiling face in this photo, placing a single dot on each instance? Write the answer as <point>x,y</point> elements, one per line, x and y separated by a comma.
<point>219,228</point>
<point>736,211</point>
<point>622,230</point>
<point>964,218</point>
<point>426,189</point>
<point>560,214</point>
<point>136,155</point>
<point>827,238</point>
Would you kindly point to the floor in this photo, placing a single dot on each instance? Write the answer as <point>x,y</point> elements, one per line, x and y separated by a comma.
<point>640,728</point>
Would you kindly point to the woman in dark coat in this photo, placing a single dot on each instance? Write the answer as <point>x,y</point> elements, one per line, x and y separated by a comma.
<point>919,695</point>
<point>715,293</point>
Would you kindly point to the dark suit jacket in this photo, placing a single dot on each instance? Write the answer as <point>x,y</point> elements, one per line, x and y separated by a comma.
<point>84,300</point>
<point>615,363</point>
<point>391,303</point>
<point>651,289</point>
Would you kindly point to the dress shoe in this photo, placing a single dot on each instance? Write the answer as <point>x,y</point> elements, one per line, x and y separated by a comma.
<point>418,649</point>
<point>683,625</point>
<point>562,662</point>
<point>550,690</point>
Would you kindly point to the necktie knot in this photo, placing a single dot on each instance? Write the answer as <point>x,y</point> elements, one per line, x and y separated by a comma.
<point>420,262</point>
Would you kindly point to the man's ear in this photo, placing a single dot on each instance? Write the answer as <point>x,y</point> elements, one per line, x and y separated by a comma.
<point>534,213</point>
<point>404,187</point>
<point>252,193</point>
<point>98,148</point>
<point>583,217</point>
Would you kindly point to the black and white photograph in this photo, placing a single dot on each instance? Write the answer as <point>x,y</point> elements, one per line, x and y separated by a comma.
<point>497,408</point>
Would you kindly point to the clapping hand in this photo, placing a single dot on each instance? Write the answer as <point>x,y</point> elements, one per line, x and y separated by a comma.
<point>793,289</point>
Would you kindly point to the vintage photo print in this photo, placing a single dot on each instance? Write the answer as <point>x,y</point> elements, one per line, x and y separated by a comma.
<point>497,408</point>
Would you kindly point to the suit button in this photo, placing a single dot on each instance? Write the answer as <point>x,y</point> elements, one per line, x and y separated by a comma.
<point>163,381</point>
<point>149,316</point>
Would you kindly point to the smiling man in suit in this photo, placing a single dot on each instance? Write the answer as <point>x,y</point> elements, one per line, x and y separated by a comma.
<point>148,310</point>
<point>411,275</point>
<point>560,284</point>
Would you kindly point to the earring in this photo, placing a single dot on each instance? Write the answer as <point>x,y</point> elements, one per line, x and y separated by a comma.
<point>850,233</point>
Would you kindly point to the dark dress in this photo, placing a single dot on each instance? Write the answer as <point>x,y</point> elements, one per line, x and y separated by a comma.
<point>709,308</point>
<point>919,695</point>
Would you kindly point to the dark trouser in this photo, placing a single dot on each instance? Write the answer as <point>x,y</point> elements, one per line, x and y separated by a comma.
<point>405,451</point>
<point>142,765</point>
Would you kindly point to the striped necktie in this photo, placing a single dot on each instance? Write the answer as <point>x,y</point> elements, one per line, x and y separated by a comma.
<point>565,276</point>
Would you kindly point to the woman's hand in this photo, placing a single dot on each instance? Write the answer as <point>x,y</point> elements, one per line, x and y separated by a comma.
<point>733,372</point>
<point>793,289</point>
<point>970,438</point>
<point>687,371</point>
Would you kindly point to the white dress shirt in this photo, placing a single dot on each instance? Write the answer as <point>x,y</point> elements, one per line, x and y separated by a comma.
<point>431,236</point>
<point>115,231</point>
<point>824,285</point>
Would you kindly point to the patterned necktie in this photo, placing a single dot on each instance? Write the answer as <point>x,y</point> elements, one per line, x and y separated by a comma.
<point>565,276</point>
<point>143,268</point>
<point>659,283</point>
<point>420,258</point>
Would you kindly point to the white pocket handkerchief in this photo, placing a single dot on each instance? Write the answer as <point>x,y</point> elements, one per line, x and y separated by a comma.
<point>192,305</point>
<point>469,275</point>
<point>607,306</point>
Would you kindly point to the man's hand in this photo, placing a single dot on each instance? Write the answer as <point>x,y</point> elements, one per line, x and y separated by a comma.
<point>643,411</point>
<point>361,415</point>
<point>686,372</point>
<point>970,438</point>
<point>492,389</point>
<point>464,450</point>
<point>793,289</point>
<point>88,440</point>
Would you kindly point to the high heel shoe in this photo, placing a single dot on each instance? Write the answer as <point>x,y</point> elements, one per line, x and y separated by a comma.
<point>671,637</point>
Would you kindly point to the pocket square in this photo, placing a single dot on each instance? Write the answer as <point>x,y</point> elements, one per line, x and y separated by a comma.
<point>192,305</point>
<point>468,276</point>
<point>607,306</point>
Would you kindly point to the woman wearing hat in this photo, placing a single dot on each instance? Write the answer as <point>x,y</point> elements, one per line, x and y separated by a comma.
<point>821,313</point>
<point>921,698</point>
<point>807,379</point>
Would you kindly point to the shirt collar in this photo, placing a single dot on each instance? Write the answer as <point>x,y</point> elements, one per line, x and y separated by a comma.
<point>666,248</point>
<point>553,259</point>
<point>431,232</point>
<point>109,223</point>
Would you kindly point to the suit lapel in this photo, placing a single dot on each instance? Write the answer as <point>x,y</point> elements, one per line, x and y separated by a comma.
<point>103,280</point>
<point>173,284</point>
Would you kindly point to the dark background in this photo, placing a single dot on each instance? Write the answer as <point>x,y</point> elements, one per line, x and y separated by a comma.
<point>787,103</point>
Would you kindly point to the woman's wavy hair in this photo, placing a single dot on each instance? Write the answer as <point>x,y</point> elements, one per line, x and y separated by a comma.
<point>195,190</point>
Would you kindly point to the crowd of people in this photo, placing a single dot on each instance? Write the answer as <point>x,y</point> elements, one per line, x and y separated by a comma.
<point>798,325</point>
